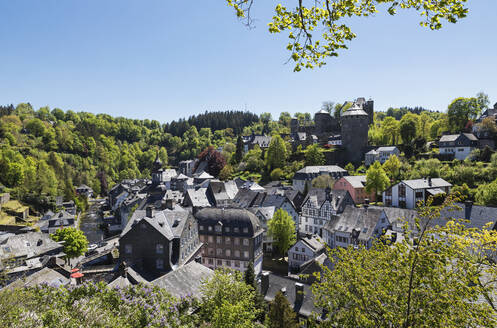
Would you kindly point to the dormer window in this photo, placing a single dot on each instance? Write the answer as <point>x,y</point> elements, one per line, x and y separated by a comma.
<point>159,248</point>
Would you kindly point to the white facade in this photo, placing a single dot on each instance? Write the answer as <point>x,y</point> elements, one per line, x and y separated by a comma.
<point>315,217</point>
<point>300,253</point>
<point>460,153</point>
<point>380,154</point>
<point>407,194</point>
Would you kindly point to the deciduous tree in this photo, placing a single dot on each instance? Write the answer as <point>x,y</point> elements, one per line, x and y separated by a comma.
<point>75,242</point>
<point>282,228</point>
<point>376,179</point>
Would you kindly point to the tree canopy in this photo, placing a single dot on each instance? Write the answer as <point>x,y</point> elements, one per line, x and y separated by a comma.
<point>75,242</point>
<point>282,229</point>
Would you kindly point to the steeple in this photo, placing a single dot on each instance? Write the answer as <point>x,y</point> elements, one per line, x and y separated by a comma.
<point>157,166</point>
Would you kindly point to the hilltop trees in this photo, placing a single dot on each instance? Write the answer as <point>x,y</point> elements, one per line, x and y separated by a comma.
<point>461,110</point>
<point>313,156</point>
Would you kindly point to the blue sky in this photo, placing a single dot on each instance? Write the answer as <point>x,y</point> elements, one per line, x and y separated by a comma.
<point>163,60</point>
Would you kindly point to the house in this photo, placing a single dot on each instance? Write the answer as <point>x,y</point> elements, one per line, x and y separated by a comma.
<point>356,226</point>
<point>264,214</point>
<point>356,186</point>
<point>186,281</point>
<point>321,206</point>
<point>198,178</point>
<point>221,194</point>
<point>167,175</point>
<point>308,269</point>
<point>57,221</point>
<point>298,294</point>
<point>380,154</point>
<point>232,238</point>
<point>303,250</point>
<point>186,167</point>
<point>304,176</point>
<point>25,251</point>
<point>407,193</point>
<point>84,190</point>
<point>180,183</point>
<point>156,242</point>
<point>459,146</point>
<point>249,142</point>
<point>16,209</point>
<point>196,198</point>
<point>45,276</point>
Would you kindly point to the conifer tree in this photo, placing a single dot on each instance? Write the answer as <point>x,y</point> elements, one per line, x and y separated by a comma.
<point>280,313</point>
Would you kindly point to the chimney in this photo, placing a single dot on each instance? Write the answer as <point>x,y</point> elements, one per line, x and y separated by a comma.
<point>264,282</point>
<point>366,203</point>
<point>169,204</point>
<point>299,293</point>
<point>328,193</point>
<point>429,181</point>
<point>150,212</point>
<point>468,205</point>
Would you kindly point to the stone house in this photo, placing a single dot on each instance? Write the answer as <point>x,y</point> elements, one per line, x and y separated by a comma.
<point>156,242</point>
<point>407,193</point>
<point>264,214</point>
<point>232,237</point>
<point>356,186</point>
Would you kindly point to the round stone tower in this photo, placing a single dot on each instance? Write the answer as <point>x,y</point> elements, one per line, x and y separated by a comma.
<point>355,127</point>
<point>322,122</point>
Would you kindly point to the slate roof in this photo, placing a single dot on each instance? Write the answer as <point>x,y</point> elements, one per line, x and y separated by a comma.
<point>262,141</point>
<point>198,197</point>
<point>362,219</point>
<point>266,212</point>
<point>424,183</point>
<point>313,242</point>
<point>318,197</point>
<point>231,217</point>
<point>386,149</point>
<point>320,170</point>
<point>245,198</point>
<point>277,284</point>
<point>356,181</point>
<point>398,216</point>
<point>204,175</point>
<point>184,281</point>
<point>372,152</point>
<point>29,244</point>
<point>453,137</point>
<point>354,110</point>
<point>168,174</point>
<point>158,222</point>
<point>44,276</point>
<point>477,215</point>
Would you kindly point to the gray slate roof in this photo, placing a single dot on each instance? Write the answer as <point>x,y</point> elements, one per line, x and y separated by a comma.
<point>361,219</point>
<point>29,244</point>
<point>44,276</point>
<point>356,181</point>
<point>185,281</point>
<point>313,242</point>
<point>453,137</point>
<point>198,197</point>
<point>425,184</point>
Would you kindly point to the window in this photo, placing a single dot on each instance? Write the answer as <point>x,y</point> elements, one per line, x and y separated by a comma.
<point>245,230</point>
<point>296,249</point>
<point>219,262</point>
<point>419,194</point>
<point>237,241</point>
<point>210,251</point>
<point>219,251</point>
<point>246,254</point>
<point>227,240</point>
<point>237,253</point>
<point>218,228</point>
<point>402,190</point>
<point>128,249</point>
<point>209,228</point>
<point>227,229</point>
<point>201,238</point>
<point>211,261</point>
<point>237,264</point>
<point>236,230</point>
<point>210,239</point>
<point>245,242</point>
<point>159,249</point>
<point>201,227</point>
<point>228,252</point>
<point>228,263</point>
<point>159,264</point>
<point>219,239</point>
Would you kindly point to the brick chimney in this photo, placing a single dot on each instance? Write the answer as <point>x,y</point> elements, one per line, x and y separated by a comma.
<point>264,282</point>
<point>299,293</point>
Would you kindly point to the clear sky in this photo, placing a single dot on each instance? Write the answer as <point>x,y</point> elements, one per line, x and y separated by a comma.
<point>165,59</point>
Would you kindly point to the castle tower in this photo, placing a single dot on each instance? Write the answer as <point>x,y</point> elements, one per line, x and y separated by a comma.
<point>369,109</point>
<point>355,127</point>
<point>157,170</point>
<point>294,125</point>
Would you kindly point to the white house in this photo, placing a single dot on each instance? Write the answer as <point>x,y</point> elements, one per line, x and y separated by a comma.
<point>356,226</point>
<point>380,154</point>
<point>458,145</point>
<point>407,193</point>
<point>264,214</point>
<point>304,250</point>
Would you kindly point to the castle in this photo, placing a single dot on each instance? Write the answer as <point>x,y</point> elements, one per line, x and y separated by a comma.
<point>352,126</point>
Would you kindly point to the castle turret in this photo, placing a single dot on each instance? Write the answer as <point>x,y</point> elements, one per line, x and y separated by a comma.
<point>157,170</point>
<point>355,127</point>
